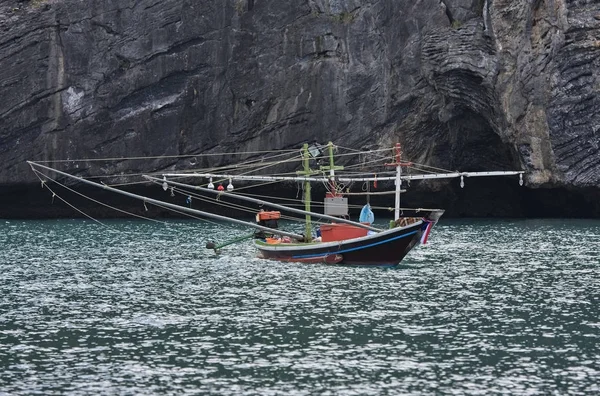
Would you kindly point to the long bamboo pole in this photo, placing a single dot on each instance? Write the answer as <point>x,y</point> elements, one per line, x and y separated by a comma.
<point>262,202</point>
<point>426,176</point>
<point>169,205</point>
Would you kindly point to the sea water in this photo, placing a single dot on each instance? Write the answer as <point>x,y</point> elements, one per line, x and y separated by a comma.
<point>134,307</point>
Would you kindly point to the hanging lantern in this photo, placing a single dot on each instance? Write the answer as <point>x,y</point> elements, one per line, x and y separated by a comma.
<point>462,182</point>
<point>165,185</point>
<point>211,185</point>
<point>520,179</point>
<point>230,186</point>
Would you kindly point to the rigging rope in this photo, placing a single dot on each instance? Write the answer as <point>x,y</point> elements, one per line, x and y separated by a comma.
<point>38,173</point>
<point>166,156</point>
<point>114,208</point>
<point>217,201</point>
<point>75,208</point>
<point>248,164</point>
<point>243,165</point>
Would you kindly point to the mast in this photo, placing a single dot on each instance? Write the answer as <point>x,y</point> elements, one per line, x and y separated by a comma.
<point>398,164</point>
<point>307,195</point>
<point>331,168</point>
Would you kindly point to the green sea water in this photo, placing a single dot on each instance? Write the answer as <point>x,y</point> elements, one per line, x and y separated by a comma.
<point>487,307</point>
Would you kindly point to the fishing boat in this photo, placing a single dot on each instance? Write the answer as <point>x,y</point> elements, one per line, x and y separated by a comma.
<point>330,236</point>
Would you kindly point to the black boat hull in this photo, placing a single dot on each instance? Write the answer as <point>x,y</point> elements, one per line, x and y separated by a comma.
<point>385,248</point>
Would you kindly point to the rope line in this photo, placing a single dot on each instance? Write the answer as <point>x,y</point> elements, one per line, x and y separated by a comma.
<point>232,205</point>
<point>112,207</point>
<point>165,156</point>
<point>74,207</point>
<point>96,201</point>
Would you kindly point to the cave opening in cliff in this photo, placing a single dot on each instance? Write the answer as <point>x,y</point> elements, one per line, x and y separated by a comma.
<point>466,141</point>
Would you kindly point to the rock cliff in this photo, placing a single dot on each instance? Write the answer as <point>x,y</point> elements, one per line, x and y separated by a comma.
<point>462,84</point>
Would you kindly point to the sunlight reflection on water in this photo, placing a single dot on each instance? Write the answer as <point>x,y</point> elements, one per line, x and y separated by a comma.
<point>504,306</point>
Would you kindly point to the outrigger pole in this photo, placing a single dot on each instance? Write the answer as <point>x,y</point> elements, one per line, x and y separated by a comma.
<point>427,176</point>
<point>262,202</point>
<point>171,206</point>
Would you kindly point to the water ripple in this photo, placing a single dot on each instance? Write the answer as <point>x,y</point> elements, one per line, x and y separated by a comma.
<point>504,307</point>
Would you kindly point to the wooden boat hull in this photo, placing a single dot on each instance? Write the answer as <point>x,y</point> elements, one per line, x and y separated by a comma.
<point>384,248</point>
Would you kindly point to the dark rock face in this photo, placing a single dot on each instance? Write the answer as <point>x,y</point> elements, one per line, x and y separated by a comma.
<point>462,84</point>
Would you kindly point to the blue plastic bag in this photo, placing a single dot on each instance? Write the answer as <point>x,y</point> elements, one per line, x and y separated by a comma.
<point>366,215</point>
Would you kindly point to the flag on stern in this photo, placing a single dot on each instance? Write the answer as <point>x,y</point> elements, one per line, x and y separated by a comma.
<point>426,230</point>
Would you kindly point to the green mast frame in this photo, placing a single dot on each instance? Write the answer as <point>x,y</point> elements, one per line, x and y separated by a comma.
<point>331,168</point>
<point>307,195</point>
<point>307,189</point>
